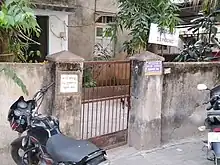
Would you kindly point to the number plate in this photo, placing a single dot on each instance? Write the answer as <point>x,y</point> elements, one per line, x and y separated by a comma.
<point>214,137</point>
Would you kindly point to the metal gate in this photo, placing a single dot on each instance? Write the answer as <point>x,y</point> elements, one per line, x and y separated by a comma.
<point>106,102</point>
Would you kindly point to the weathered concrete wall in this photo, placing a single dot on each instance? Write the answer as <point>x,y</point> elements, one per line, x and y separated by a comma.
<point>69,3</point>
<point>82,26</point>
<point>82,29</point>
<point>33,76</point>
<point>182,109</point>
<point>107,5</point>
<point>146,98</point>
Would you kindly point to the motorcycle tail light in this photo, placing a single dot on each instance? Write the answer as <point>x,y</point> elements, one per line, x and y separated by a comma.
<point>216,129</point>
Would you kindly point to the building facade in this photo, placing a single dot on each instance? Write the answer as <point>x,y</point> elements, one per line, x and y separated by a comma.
<point>52,16</point>
<point>87,26</point>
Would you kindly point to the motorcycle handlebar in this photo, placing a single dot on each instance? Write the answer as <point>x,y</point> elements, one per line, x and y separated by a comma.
<point>39,96</point>
<point>212,99</point>
<point>42,91</point>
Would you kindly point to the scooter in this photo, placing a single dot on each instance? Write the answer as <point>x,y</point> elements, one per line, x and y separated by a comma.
<point>212,123</point>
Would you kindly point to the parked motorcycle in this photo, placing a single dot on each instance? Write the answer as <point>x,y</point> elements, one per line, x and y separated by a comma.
<point>44,143</point>
<point>212,122</point>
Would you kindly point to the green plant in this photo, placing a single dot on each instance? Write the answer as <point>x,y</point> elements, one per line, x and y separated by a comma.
<point>12,75</point>
<point>17,24</point>
<point>137,16</point>
<point>88,81</point>
<point>196,53</point>
<point>28,57</point>
<point>202,49</point>
<point>101,53</point>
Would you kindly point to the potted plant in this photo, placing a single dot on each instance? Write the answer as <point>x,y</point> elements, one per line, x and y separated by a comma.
<point>17,24</point>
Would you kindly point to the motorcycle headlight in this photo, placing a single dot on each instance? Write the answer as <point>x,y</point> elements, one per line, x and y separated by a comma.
<point>17,112</point>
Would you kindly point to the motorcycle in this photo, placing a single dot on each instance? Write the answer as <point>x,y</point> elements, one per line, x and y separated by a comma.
<point>44,143</point>
<point>212,123</point>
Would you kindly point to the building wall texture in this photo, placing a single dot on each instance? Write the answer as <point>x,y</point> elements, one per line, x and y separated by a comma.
<point>182,109</point>
<point>82,25</point>
<point>69,3</point>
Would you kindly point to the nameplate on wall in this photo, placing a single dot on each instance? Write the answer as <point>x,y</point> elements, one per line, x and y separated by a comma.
<point>69,83</point>
<point>153,68</point>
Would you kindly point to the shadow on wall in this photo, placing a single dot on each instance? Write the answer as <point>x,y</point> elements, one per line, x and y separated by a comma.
<point>182,109</point>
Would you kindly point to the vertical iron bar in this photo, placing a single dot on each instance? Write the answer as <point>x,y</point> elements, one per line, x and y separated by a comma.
<point>104,119</point>
<point>113,107</point>
<point>87,122</point>
<point>92,101</point>
<point>109,101</point>
<point>97,103</point>
<point>83,111</point>
<point>102,84</point>
<point>124,74</point>
<point>121,104</point>
<point>117,103</point>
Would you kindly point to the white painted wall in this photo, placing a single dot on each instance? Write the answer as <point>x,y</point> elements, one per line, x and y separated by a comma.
<point>58,22</point>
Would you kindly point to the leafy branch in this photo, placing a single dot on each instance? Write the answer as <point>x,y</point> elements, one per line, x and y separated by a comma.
<point>12,75</point>
<point>137,16</point>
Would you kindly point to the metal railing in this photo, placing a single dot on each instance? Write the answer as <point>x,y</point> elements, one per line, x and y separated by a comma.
<point>106,98</point>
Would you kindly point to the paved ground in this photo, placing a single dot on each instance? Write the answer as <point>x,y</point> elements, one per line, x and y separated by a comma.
<point>186,152</point>
<point>183,153</point>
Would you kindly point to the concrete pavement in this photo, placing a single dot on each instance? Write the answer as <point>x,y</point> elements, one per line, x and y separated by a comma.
<point>186,152</point>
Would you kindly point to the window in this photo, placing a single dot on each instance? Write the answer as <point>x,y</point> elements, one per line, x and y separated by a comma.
<point>105,19</point>
<point>102,39</point>
<point>99,32</point>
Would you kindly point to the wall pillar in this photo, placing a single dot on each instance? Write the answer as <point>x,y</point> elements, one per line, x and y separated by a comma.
<point>67,70</point>
<point>146,99</point>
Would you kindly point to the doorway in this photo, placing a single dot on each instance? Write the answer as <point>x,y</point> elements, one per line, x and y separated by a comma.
<point>43,39</point>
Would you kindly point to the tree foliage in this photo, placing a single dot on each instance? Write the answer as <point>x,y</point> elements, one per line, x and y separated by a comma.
<point>137,16</point>
<point>17,25</point>
<point>208,6</point>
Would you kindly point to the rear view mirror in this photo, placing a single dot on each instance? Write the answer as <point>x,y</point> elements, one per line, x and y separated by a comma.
<point>202,128</point>
<point>202,87</point>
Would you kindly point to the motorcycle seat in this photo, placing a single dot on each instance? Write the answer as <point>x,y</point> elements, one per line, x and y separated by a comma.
<point>65,149</point>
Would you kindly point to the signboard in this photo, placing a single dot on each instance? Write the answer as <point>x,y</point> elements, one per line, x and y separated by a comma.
<point>69,83</point>
<point>164,37</point>
<point>153,68</point>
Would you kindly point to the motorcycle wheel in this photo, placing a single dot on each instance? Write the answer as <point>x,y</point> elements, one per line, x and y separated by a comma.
<point>17,153</point>
<point>16,150</point>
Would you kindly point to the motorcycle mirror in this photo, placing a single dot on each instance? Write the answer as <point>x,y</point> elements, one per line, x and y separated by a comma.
<point>202,128</point>
<point>202,87</point>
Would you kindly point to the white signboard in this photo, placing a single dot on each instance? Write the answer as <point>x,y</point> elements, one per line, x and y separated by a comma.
<point>165,38</point>
<point>69,83</point>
